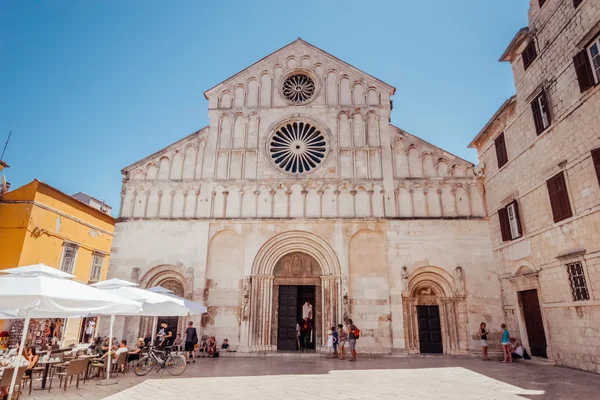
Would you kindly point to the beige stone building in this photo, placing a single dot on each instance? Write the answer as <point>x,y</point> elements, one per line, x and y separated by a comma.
<point>300,198</point>
<point>540,154</point>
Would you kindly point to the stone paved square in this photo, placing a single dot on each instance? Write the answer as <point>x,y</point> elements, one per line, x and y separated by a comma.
<point>294,377</point>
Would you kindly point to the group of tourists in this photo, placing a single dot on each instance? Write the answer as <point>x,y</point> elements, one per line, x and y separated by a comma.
<point>337,338</point>
<point>511,348</point>
<point>26,357</point>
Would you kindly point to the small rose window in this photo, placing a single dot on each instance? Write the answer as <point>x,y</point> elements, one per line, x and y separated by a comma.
<point>298,88</point>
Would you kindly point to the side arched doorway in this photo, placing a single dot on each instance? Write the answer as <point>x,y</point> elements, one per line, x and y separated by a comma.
<point>435,313</point>
<point>169,278</point>
<point>293,264</point>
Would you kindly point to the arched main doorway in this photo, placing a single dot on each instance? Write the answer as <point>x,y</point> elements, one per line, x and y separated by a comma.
<point>297,264</point>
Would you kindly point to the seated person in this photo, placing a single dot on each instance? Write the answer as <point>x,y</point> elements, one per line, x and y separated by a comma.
<point>122,349</point>
<point>212,349</point>
<point>14,351</point>
<point>518,351</point>
<point>178,344</point>
<point>135,354</point>
<point>33,358</point>
<point>225,345</point>
<point>203,345</point>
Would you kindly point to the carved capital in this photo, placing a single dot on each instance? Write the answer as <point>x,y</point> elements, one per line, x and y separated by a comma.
<point>353,192</point>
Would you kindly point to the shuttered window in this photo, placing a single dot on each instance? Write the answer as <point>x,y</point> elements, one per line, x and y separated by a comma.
<point>596,161</point>
<point>529,54</point>
<point>501,154</point>
<point>594,54</point>
<point>510,222</point>
<point>67,263</point>
<point>559,197</point>
<point>583,69</point>
<point>541,113</point>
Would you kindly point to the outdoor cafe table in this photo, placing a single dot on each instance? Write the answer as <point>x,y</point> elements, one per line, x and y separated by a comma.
<point>47,364</point>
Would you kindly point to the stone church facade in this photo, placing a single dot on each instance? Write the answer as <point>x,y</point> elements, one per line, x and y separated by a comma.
<point>300,189</point>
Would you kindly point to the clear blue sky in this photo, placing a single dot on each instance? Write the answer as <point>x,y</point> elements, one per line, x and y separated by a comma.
<point>89,87</point>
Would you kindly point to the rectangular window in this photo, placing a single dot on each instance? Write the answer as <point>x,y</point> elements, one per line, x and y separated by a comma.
<point>578,283</point>
<point>559,197</point>
<point>501,154</point>
<point>594,54</point>
<point>529,54</point>
<point>96,271</point>
<point>541,113</point>
<point>510,222</point>
<point>67,264</point>
<point>596,162</point>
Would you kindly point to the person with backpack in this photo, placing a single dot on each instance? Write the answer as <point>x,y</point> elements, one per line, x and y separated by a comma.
<point>191,338</point>
<point>353,335</point>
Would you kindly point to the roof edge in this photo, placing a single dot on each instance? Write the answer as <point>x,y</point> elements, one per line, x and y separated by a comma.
<point>433,145</point>
<point>516,41</point>
<point>504,105</point>
<point>95,210</point>
<point>135,164</point>
<point>392,88</point>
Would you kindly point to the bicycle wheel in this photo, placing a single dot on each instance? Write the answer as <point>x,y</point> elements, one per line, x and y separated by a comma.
<point>144,366</point>
<point>176,364</point>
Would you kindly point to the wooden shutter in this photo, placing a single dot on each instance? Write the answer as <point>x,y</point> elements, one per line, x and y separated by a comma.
<point>559,198</point>
<point>504,224</point>
<point>537,116</point>
<point>596,161</point>
<point>529,54</point>
<point>584,70</point>
<point>517,217</point>
<point>501,154</point>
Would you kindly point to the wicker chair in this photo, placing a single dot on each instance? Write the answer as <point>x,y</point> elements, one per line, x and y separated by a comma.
<point>7,378</point>
<point>75,368</point>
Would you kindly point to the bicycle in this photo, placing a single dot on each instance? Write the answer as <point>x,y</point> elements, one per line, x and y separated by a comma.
<point>174,363</point>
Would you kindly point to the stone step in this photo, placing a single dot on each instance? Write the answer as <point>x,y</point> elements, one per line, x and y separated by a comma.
<point>539,361</point>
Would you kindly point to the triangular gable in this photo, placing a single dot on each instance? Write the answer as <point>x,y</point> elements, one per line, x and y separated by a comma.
<point>433,147</point>
<point>167,149</point>
<point>315,48</point>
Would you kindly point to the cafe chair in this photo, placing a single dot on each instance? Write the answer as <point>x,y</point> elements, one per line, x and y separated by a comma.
<point>7,378</point>
<point>75,368</point>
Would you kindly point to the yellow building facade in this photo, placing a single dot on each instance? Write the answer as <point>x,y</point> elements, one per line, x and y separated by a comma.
<point>41,224</point>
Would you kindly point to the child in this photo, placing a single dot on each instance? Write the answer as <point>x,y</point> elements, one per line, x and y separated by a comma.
<point>335,341</point>
<point>177,345</point>
<point>225,345</point>
<point>506,347</point>
<point>330,342</point>
<point>483,332</point>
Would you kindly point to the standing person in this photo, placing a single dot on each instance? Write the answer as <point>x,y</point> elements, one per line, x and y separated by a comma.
<point>483,332</point>
<point>506,347</point>
<point>353,335</point>
<point>342,337</point>
<point>191,338</point>
<point>335,336</point>
<point>298,336</point>
<point>306,331</point>
<point>330,342</point>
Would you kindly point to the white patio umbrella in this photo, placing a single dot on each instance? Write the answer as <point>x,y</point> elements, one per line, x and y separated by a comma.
<point>194,307</point>
<point>153,304</point>
<point>40,291</point>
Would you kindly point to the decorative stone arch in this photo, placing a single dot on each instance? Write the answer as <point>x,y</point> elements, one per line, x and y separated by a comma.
<point>260,323</point>
<point>170,277</point>
<point>434,286</point>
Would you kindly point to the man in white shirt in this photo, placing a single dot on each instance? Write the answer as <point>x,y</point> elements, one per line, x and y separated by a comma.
<point>122,349</point>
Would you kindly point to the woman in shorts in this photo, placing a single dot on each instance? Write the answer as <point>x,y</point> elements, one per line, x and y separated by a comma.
<point>483,332</point>
<point>506,347</point>
<point>343,338</point>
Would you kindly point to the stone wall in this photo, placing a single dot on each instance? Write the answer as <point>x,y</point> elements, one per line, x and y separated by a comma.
<point>538,259</point>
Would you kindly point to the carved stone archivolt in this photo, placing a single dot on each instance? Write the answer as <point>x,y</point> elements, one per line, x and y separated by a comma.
<point>291,258</point>
<point>433,286</point>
